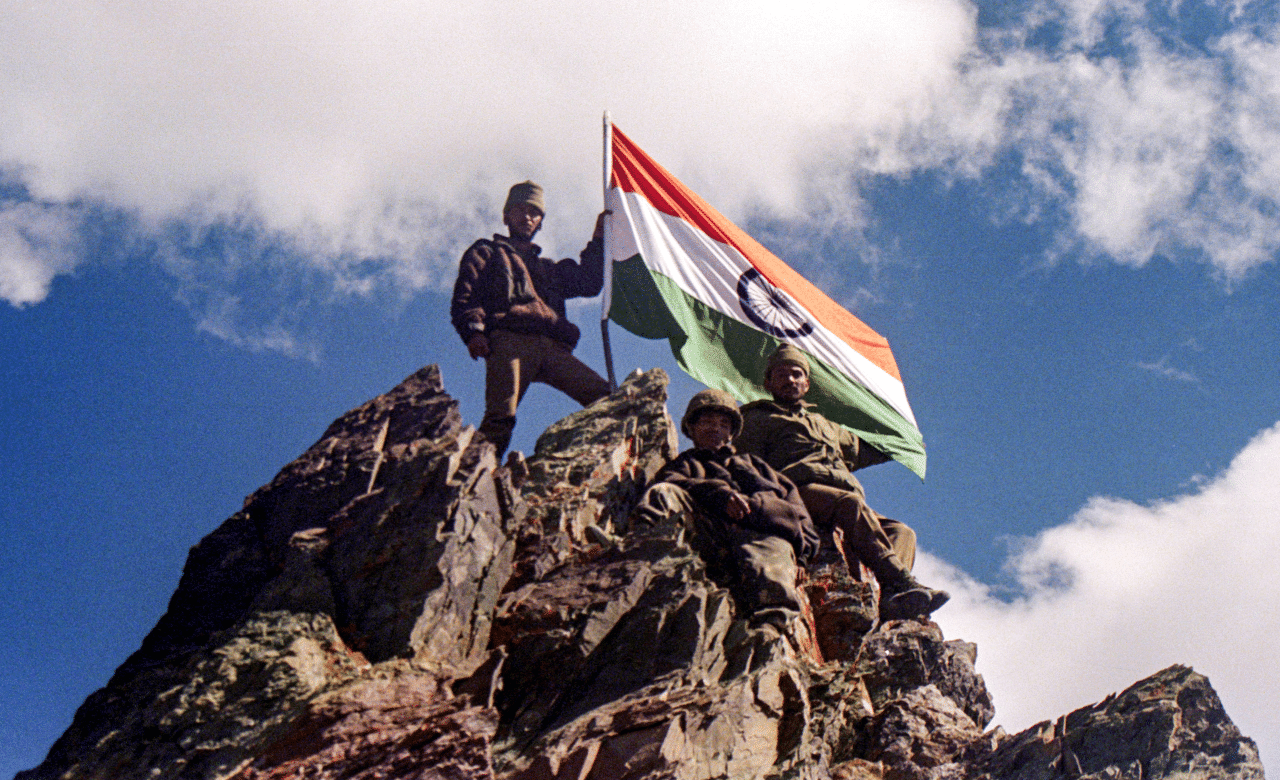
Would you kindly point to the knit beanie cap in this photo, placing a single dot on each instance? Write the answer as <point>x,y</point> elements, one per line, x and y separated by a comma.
<point>525,192</point>
<point>786,354</point>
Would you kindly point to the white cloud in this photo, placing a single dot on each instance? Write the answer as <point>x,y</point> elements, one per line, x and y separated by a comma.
<point>321,111</point>
<point>37,243</point>
<point>1162,368</point>
<point>1151,148</point>
<point>1124,590</point>
<point>226,323</point>
<point>389,131</point>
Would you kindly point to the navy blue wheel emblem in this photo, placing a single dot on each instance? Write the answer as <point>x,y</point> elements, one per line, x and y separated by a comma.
<point>767,307</point>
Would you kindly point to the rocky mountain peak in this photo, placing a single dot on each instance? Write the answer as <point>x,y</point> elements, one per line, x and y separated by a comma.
<point>392,605</point>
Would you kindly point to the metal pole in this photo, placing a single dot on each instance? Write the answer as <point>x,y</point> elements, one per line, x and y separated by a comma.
<point>608,260</point>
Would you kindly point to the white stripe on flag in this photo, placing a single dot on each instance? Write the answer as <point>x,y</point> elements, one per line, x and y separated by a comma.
<point>709,271</point>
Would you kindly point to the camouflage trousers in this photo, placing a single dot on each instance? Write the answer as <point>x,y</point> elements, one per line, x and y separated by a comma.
<point>760,570</point>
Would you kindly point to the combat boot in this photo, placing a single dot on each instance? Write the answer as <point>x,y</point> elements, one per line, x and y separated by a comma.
<point>904,597</point>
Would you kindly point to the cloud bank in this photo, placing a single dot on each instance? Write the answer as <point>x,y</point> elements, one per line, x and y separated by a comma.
<point>1124,590</point>
<point>368,143</point>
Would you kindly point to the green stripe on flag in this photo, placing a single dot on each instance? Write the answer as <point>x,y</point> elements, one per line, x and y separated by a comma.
<point>722,352</point>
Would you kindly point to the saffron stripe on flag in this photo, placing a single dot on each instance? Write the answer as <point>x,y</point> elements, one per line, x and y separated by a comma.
<point>667,245</point>
<point>634,171</point>
<point>682,271</point>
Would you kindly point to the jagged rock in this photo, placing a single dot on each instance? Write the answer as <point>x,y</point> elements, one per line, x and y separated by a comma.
<point>845,610</point>
<point>919,732</point>
<point>858,769</point>
<point>214,713</point>
<point>407,561</point>
<point>588,470</point>
<point>625,658</point>
<point>399,723</point>
<point>392,606</point>
<point>910,654</point>
<point>1169,725</point>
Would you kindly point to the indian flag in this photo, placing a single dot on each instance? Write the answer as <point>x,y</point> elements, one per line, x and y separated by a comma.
<point>684,273</point>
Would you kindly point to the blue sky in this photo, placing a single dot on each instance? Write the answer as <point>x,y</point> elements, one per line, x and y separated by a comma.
<point>221,227</point>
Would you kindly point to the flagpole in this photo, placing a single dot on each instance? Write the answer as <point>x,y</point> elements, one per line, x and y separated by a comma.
<point>607,300</point>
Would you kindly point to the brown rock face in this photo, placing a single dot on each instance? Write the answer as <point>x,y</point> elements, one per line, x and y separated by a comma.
<point>390,606</point>
<point>1171,724</point>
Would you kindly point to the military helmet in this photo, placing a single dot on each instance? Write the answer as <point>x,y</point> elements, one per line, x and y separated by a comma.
<point>786,354</point>
<point>711,401</point>
<point>525,192</point>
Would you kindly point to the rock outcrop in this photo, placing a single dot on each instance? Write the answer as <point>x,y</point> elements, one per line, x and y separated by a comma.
<point>391,605</point>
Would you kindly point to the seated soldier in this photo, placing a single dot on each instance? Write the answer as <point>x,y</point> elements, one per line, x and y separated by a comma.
<point>820,456</point>
<point>748,522</point>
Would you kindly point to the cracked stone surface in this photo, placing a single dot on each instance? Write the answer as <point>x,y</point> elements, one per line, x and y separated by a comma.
<point>392,606</point>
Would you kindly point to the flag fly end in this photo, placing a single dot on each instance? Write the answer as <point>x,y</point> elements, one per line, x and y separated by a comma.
<point>680,270</point>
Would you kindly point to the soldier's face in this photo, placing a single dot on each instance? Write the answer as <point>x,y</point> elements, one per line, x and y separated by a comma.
<point>711,430</point>
<point>787,383</point>
<point>523,220</point>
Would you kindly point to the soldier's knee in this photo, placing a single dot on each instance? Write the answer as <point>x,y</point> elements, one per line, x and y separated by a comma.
<point>849,504</point>
<point>668,495</point>
<point>902,535</point>
<point>853,515</point>
<point>661,501</point>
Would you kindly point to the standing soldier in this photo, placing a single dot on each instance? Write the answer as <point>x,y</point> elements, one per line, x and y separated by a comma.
<point>821,456</point>
<point>508,307</point>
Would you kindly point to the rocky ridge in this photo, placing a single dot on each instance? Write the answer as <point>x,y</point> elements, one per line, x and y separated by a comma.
<point>392,606</point>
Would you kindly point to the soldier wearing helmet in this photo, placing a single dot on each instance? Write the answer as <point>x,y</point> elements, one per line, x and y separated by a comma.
<point>821,456</point>
<point>748,521</point>
<point>508,307</point>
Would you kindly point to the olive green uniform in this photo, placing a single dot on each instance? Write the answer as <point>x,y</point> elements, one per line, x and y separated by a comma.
<point>820,456</point>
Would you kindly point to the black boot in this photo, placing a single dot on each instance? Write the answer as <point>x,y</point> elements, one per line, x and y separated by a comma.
<point>903,597</point>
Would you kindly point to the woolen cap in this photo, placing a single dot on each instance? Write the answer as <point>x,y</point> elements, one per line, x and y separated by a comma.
<point>526,192</point>
<point>785,354</point>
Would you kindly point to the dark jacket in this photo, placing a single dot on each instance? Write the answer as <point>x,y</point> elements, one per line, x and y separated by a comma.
<point>507,285</point>
<point>804,445</point>
<point>710,477</point>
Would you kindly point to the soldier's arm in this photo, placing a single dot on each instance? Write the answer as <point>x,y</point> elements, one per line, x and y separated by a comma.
<point>804,534</point>
<point>750,439</point>
<point>758,437</point>
<point>776,482</point>
<point>809,539</point>
<point>800,461</point>
<point>803,473</point>
<point>467,307</point>
<point>710,495</point>
<point>858,454</point>
<point>585,278</point>
<point>763,435</point>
